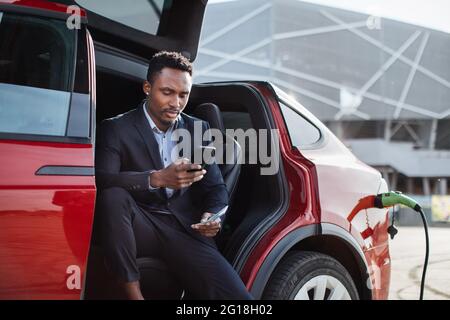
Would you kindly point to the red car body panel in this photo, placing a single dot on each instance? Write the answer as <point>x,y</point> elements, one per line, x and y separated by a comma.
<point>303,209</point>
<point>46,221</point>
<point>327,183</point>
<point>343,180</point>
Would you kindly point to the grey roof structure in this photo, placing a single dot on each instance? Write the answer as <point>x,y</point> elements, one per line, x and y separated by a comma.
<point>341,65</point>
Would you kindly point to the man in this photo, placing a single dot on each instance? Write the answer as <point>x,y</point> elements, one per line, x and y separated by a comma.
<point>150,204</point>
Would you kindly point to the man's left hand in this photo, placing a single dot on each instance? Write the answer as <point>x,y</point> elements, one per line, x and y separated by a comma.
<point>207,229</point>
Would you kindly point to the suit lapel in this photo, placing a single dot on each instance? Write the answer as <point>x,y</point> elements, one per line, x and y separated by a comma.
<point>148,138</point>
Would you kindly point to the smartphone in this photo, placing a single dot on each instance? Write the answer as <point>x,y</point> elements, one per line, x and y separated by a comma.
<point>217,215</point>
<point>210,153</point>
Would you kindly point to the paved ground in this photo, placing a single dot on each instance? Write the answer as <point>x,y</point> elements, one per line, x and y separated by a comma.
<point>407,255</point>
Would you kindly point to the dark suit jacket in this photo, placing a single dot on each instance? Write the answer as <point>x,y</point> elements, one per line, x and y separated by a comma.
<point>126,151</point>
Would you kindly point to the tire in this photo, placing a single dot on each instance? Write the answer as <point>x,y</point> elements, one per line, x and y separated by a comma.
<point>304,275</point>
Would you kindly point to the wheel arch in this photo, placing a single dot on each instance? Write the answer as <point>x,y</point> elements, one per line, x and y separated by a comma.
<point>323,238</point>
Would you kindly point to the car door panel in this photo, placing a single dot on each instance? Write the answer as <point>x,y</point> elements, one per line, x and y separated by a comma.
<point>47,183</point>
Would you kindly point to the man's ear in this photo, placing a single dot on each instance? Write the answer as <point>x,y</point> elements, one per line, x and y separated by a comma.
<point>146,87</point>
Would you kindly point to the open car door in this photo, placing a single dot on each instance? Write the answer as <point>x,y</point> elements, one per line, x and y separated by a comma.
<point>47,186</point>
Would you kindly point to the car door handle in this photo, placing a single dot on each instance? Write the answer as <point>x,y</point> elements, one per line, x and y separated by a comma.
<point>65,171</point>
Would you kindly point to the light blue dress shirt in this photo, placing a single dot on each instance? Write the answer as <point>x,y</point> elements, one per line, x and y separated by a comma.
<point>165,143</point>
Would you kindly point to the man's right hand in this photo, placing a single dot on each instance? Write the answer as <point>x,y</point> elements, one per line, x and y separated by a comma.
<point>176,176</point>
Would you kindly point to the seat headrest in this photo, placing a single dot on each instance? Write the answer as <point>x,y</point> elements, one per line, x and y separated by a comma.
<point>211,113</point>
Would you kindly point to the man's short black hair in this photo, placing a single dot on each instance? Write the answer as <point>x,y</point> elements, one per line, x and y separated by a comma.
<point>165,59</point>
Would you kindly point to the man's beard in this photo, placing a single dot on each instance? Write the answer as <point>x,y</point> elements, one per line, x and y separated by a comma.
<point>167,122</point>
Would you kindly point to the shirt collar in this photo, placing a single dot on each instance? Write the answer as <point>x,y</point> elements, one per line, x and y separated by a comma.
<point>152,124</point>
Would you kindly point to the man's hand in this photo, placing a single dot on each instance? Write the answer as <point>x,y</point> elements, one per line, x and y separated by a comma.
<point>176,176</point>
<point>207,229</point>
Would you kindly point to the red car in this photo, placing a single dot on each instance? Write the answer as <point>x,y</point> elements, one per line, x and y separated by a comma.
<point>63,70</point>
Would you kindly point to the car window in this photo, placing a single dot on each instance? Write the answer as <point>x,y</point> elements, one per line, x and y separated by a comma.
<point>36,70</point>
<point>302,132</point>
<point>143,15</point>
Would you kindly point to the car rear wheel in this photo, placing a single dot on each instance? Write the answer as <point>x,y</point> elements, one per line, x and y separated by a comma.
<point>304,275</point>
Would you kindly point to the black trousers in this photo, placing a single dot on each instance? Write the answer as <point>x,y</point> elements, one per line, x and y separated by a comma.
<point>128,232</point>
